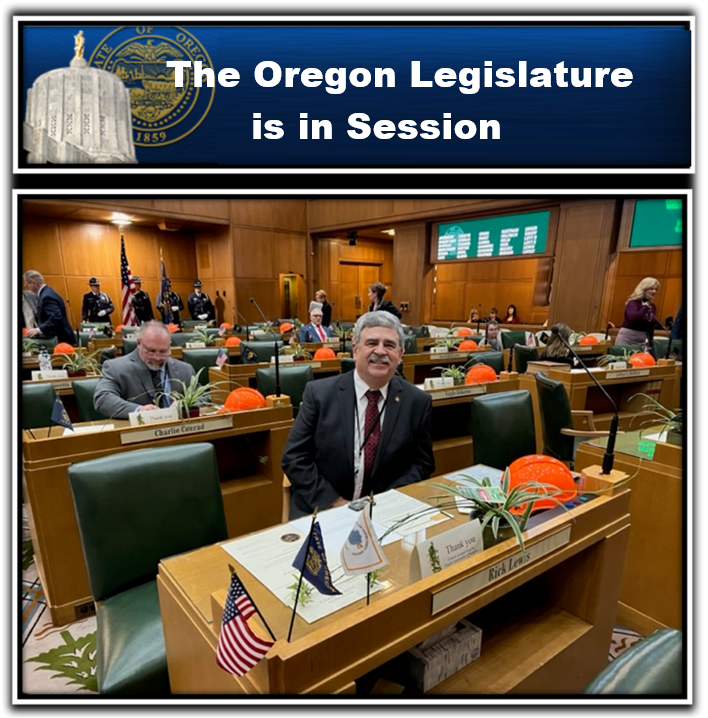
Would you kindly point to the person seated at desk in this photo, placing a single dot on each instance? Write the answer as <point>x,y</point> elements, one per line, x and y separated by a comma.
<point>474,316</point>
<point>362,431</point>
<point>136,381</point>
<point>492,338</point>
<point>511,316</point>
<point>555,349</point>
<point>314,331</point>
<point>493,315</point>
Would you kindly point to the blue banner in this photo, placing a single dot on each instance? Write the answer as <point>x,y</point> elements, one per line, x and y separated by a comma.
<point>338,95</point>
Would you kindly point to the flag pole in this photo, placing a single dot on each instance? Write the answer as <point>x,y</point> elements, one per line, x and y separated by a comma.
<point>368,575</point>
<point>302,571</point>
<point>253,603</point>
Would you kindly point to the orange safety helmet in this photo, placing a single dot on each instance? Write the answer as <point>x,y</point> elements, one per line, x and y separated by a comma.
<point>232,342</point>
<point>469,345</point>
<point>173,328</point>
<point>587,339</point>
<point>243,399</point>
<point>63,348</point>
<point>642,359</point>
<point>464,332</point>
<point>479,374</point>
<point>225,325</point>
<point>324,353</point>
<point>119,327</point>
<point>544,470</point>
<point>286,327</point>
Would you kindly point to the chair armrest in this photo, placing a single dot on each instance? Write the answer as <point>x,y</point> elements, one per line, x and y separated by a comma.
<point>583,419</point>
<point>581,432</point>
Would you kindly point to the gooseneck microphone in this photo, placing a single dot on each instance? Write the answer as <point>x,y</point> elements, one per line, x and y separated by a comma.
<point>608,459</point>
<point>245,322</point>
<point>255,304</point>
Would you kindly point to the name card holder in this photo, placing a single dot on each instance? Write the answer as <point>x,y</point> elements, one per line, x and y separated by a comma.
<point>283,359</point>
<point>153,416</point>
<point>47,374</point>
<point>195,345</point>
<point>443,550</point>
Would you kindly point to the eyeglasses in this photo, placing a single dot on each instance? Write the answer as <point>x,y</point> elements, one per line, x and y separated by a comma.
<point>155,352</point>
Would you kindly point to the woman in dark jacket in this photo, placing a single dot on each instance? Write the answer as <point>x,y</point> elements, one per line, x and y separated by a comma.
<point>378,303</point>
<point>321,297</point>
<point>639,314</point>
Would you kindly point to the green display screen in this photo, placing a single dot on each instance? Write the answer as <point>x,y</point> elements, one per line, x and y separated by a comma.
<point>657,223</point>
<point>511,236</point>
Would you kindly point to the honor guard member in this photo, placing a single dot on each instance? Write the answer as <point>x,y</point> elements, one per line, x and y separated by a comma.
<point>199,304</point>
<point>97,305</point>
<point>170,306</point>
<point>141,303</point>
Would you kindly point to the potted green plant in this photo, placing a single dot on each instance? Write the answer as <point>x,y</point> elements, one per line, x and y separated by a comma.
<point>298,352</point>
<point>343,335</point>
<point>29,347</point>
<point>203,336</point>
<point>671,422</point>
<point>450,342</point>
<point>190,396</point>
<point>458,373</point>
<point>80,364</point>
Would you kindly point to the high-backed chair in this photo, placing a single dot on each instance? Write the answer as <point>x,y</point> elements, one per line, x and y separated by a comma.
<point>420,331</point>
<point>128,522</point>
<point>191,323</point>
<point>344,325</point>
<point>180,339</point>
<point>502,428</point>
<point>107,353</point>
<point>201,359</point>
<point>83,392</point>
<point>98,326</point>
<point>347,364</point>
<point>619,350</point>
<point>258,352</point>
<point>263,336</point>
<point>128,331</point>
<point>652,666</point>
<point>510,337</point>
<point>47,343</point>
<point>492,359</point>
<point>129,345</point>
<point>661,344</point>
<point>37,404</point>
<point>293,379</point>
<point>523,355</point>
<point>85,337</point>
<point>410,344</point>
<point>558,422</point>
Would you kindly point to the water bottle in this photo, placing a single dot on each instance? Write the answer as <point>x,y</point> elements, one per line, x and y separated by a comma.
<point>45,363</point>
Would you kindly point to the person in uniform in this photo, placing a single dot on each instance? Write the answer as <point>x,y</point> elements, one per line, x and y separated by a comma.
<point>171,308</point>
<point>141,303</point>
<point>96,305</point>
<point>199,304</point>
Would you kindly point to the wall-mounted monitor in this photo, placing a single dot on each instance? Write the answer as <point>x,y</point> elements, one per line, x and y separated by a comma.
<point>657,223</point>
<point>513,235</point>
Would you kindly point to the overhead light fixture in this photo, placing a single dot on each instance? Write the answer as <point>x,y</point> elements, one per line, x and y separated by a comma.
<point>389,232</point>
<point>120,218</point>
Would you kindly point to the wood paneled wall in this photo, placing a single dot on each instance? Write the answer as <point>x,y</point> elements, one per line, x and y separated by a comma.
<point>69,253</point>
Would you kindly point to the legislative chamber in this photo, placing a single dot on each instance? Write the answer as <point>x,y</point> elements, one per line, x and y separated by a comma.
<point>514,314</point>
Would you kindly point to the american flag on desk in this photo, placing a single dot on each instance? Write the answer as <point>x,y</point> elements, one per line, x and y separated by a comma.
<point>127,287</point>
<point>239,649</point>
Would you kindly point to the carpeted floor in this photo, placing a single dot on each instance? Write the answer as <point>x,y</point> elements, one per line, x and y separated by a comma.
<point>57,661</point>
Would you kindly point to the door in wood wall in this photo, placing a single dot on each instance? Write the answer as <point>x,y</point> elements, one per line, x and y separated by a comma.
<point>354,282</point>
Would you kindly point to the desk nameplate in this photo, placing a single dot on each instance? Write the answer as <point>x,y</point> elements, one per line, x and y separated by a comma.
<point>481,579</point>
<point>453,392</point>
<point>437,356</point>
<point>626,374</point>
<point>169,432</point>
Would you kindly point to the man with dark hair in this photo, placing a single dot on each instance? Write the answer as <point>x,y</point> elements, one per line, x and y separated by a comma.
<point>51,311</point>
<point>362,431</point>
<point>141,303</point>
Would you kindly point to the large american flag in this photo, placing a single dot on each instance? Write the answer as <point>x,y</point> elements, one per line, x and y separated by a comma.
<point>127,288</point>
<point>239,649</point>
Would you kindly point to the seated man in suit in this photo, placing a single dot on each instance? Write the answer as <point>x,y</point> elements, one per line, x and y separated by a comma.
<point>139,380</point>
<point>363,431</point>
<point>314,331</point>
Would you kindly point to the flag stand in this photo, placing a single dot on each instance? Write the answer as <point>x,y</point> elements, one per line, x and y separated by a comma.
<point>302,571</point>
<point>368,575</point>
<point>233,571</point>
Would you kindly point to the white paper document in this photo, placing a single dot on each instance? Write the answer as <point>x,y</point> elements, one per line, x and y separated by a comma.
<point>89,429</point>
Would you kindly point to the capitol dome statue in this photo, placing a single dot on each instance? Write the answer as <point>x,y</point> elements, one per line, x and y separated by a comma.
<point>78,115</point>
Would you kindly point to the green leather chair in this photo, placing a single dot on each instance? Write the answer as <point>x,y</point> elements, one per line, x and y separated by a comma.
<point>37,404</point>
<point>344,325</point>
<point>128,331</point>
<point>85,326</point>
<point>522,356</point>
<point>47,342</point>
<point>618,350</point>
<point>129,345</point>
<point>502,428</point>
<point>180,339</point>
<point>201,359</point>
<point>83,391</point>
<point>418,331</point>
<point>107,353</point>
<point>128,522</point>
<point>258,352</point>
<point>410,344</point>
<point>661,344</point>
<point>191,323</point>
<point>652,666</point>
<point>512,337</point>
<point>85,337</point>
<point>293,379</point>
<point>261,336</point>
<point>347,364</point>
<point>492,359</point>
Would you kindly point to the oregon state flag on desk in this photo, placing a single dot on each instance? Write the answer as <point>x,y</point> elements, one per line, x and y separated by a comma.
<point>315,568</point>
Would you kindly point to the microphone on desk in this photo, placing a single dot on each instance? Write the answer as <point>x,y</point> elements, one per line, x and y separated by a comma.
<point>511,357</point>
<point>265,319</point>
<point>479,317</point>
<point>608,459</point>
<point>245,322</point>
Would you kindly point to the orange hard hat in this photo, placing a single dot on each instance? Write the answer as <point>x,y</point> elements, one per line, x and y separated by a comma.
<point>243,399</point>
<point>587,339</point>
<point>544,470</point>
<point>642,359</point>
<point>232,342</point>
<point>469,345</point>
<point>63,348</point>
<point>464,332</point>
<point>286,327</point>
<point>324,353</point>
<point>479,374</point>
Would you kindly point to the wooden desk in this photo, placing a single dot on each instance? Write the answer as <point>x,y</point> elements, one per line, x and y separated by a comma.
<point>252,491</point>
<point>31,363</point>
<point>657,381</point>
<point>546,626</point>
<point>65,389</point>
<point>652,594</point>
<point>419,367</point>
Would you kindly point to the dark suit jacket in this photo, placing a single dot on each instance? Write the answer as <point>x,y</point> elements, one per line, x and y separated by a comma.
<point>51,317</point>
<point>386,306</point>
<point>319,453</point>
<point>308,333</point>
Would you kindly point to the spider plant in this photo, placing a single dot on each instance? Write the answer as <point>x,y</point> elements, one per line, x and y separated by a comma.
<point>612,358</point>
<point>30,346</point>
<point>342,334</point>
<point>204,337</point>
<point>191,395</point>
<point>78,361</point>
<point>450,342</point>
<point>297,351</point>
<point>653,411</point>
<point>458,373</point>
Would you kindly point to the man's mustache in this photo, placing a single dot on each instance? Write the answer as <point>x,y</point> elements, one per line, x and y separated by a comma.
<point>379,359</point>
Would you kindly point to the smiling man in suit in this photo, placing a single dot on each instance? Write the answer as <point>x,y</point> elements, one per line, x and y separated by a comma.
<point>363,431</point>
<point>141,379</point>
<point>315,331</point>
<point>51,311</point>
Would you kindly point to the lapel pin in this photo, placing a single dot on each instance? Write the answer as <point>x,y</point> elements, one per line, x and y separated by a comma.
<point>397,399</point>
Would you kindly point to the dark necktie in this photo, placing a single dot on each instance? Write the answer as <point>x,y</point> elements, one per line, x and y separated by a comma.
<point>157,383</point>
<point>372,431</point>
